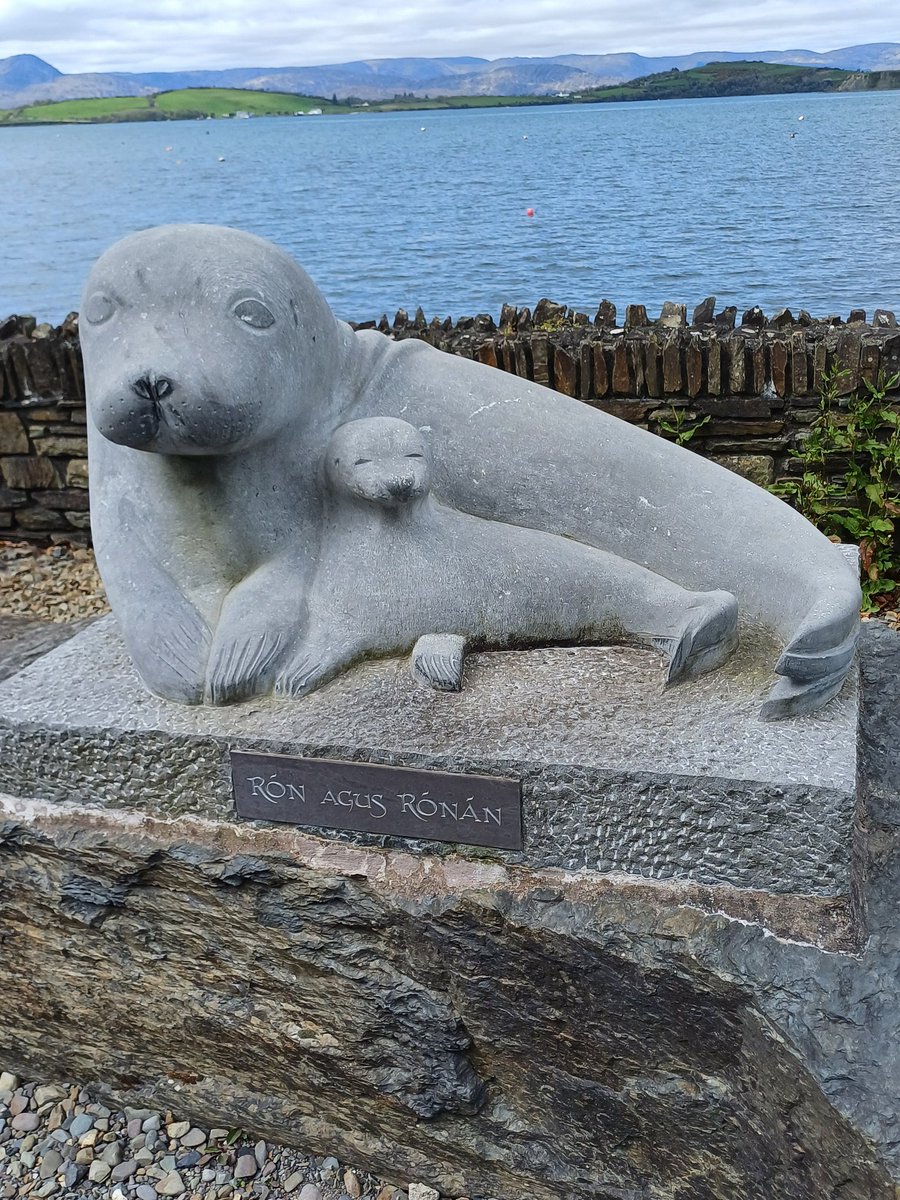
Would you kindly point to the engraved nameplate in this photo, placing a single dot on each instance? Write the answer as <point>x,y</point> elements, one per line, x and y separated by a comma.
<point>476,810</point>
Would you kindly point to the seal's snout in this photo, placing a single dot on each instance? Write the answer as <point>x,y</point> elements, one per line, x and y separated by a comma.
<point>152,387</point>
<point>403,489</point>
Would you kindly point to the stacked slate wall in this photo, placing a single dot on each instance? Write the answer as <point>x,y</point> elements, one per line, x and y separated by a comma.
<point>741,394</point>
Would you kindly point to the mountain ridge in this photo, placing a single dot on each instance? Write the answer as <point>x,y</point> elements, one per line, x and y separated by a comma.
<point>26,79</point>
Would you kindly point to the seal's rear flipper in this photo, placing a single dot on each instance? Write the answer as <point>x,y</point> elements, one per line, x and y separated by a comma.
<point>819,656</point>
<point>708,638</point>
<point>789,698</point>
<point>438,659</point>
<point>803,666</point>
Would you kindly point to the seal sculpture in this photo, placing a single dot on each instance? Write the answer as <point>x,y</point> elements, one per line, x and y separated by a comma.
<point>438,581</point>
<point>216,376</point>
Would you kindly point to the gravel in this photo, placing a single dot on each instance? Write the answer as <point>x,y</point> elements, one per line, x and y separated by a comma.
<point>73,1147</point>
<point>59,583</point>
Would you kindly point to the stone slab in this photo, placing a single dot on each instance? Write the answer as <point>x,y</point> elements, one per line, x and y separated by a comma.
<point>619,776</point>
<point>23,639</point>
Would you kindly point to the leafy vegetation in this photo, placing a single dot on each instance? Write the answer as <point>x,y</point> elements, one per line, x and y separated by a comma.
<point>859,433</point>
<point>725,79</point>
<point>681,425</point>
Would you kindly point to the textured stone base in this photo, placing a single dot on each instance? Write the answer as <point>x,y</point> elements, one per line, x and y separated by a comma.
<point>492,1026</point>
<point>495,1031</point>
<point>684,786</point>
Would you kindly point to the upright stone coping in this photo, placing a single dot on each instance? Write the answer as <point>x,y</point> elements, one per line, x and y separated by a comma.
<point>684,787</point>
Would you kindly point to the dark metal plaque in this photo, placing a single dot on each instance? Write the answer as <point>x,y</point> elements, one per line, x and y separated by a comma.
<point>476,810</point>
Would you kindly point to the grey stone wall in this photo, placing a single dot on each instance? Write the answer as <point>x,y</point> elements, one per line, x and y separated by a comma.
<point>744,393</point>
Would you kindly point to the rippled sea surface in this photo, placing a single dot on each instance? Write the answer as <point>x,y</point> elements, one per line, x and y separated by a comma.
<point>639,203</point>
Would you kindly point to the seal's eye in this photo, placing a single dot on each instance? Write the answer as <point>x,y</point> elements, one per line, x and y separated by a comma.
<point>98,309</point>
<point>415,455</point>
<point>254,312</point>
<point>359,462</point>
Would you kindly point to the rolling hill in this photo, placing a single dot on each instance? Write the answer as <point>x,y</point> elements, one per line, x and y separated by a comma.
<point>26,79</point>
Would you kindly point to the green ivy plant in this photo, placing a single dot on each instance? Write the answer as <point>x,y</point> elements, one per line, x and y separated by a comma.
<point>859,435</point>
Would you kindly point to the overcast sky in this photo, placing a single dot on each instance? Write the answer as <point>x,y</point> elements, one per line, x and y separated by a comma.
<point>95,35</point>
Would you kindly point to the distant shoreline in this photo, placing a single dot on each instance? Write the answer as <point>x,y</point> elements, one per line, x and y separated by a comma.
<point>715,80</point>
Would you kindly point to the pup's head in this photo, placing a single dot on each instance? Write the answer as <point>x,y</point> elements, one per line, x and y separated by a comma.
<point>203,340</point>
<point>381,460</point>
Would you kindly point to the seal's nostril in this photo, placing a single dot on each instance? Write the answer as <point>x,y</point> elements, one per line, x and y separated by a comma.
<point>150,388</point>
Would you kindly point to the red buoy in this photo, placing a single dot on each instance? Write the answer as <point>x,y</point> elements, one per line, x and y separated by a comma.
<point>529,212</point>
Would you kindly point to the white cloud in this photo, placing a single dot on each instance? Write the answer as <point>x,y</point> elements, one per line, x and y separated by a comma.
<point>87,35</point>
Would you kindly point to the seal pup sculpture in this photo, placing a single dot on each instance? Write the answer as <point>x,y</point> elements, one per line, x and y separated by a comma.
<point>216,375</point>
<point>424,569</point>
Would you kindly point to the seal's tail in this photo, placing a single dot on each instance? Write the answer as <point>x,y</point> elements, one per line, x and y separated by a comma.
<point>709,636</point>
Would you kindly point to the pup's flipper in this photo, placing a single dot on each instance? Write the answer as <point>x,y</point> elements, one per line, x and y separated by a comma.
<point>708,637</point>
<point>438,660</point>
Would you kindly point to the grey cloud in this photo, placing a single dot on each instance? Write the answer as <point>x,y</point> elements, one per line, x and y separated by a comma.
<point>84,35</point>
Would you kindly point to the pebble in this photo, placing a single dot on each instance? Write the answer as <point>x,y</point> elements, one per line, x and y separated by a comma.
<point>124,1170</point>
<point>194,1137</point>
<point>99,1171</point>
<point>48,1094</point>
<point>81,1124</point>
<point>421,1191</point>
<point>112,1154</point>
<point>309,1192</point>
<point>351,1185</point>
<point>172,1185</point>
<point>245,1167</point>
<point>178,1129</point>
<point>24,1122</point>
<point>259,1153</point>
<point>18,1104</point>
<point>8,1081</point>
<point>146,1192</point>
<point>50,1164</point>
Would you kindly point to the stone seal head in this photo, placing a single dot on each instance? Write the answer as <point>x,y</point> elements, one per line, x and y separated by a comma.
<point>381,461</point>
<point>195,345</point>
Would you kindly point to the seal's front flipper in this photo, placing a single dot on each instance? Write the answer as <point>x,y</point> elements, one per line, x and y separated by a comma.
<point>707,639</point>
<point>438,660</point>
<point>172,661</point>
<point>244,667</point>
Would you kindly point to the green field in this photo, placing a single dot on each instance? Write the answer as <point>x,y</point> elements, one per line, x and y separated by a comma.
<point>178,105</point>
<point>76,110</point>
<point>222,102</point>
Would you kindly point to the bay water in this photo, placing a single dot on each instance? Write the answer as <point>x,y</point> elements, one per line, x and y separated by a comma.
<point>635,202</point>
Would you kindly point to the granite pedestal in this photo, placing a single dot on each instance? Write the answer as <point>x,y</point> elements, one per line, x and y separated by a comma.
<point>682,786</point>
<point>684,984</point>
